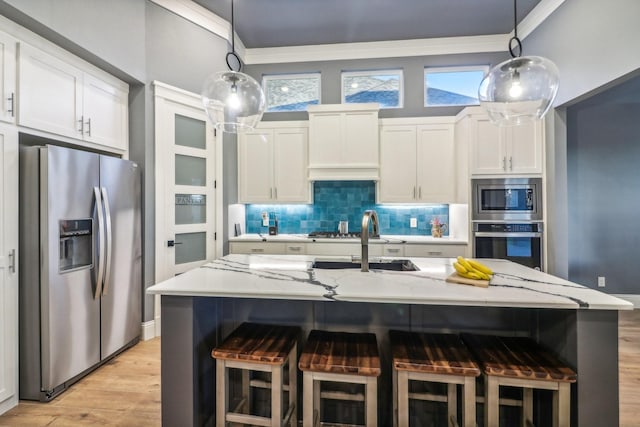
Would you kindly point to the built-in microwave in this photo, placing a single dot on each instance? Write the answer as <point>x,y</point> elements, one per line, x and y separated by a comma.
<point>507,199</point>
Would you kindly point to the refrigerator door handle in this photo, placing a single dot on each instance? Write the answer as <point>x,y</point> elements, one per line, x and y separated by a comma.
<point>108,249</point>
<point>101,248</point>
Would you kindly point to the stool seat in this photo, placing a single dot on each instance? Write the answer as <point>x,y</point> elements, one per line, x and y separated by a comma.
<point>341,353</point>
<point>254,347</point>
<point>518,357</point>
<point>433,358</point>
<point>521,362</point>
<point>432,353</point>
<point>340,357</point>
<point>258,343</point>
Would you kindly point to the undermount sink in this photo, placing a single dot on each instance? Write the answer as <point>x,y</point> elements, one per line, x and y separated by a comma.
<point>392,265</point>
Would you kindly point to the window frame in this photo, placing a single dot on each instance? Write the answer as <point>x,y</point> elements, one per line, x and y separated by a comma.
<point>267,77</point>
<point>398,71</point>
<point>451,69</point>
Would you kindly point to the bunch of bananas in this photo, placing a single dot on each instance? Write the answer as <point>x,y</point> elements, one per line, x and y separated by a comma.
<point>472,269</point>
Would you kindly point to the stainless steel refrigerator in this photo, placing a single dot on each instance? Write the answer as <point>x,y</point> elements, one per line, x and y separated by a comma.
<point>80,265</point>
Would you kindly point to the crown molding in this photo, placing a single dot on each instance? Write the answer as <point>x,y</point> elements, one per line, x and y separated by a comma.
<point>384,49</point>
<point>366,50</point>
<point>204,18</point>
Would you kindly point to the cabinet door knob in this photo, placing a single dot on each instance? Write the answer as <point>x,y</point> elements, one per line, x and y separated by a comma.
<point>504,163</point>
<point>89,126</point>
<point>81,121</point>
<point>510,163</point>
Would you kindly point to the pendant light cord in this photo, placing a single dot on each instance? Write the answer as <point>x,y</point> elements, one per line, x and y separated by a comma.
<point>233,46</point>
<point>515,33</point>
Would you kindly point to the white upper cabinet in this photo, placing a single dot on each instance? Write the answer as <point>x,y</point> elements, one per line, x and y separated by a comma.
<point>509,150</point>
<point>417,162</point>
<point>8,78</point>
<point>272,164</point>
<point>343,142</point>
<point>58,97</point>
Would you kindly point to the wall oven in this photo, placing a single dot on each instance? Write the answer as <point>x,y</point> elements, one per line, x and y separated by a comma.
<point>521,243</point>
<point>507,220</point>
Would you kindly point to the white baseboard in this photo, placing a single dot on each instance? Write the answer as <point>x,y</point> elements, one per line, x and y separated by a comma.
<point>158,326</point>
<point>632,298</point>
<point>148,330</point>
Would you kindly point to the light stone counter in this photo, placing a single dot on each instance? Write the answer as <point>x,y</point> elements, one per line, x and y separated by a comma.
<point>293,277</point>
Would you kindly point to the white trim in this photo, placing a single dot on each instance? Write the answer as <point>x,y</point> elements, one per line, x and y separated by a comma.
<point>158,324</point>
<point>384,49</point>
<point>148,330</point>
<point>431,120</point>
<point>204,18</point>
<point>536,17</point>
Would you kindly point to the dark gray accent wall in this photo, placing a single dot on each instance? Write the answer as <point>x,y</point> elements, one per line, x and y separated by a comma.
<point>413,70</point>
<point>603,154</point>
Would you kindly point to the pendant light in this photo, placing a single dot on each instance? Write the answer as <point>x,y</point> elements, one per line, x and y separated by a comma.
<point>520,89</point>
<point>234,101</point>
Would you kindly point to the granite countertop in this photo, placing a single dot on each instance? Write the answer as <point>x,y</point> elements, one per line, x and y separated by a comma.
<point>292,277</point>
<point>385,238</point>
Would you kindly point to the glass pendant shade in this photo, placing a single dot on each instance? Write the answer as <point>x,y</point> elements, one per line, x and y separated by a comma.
<point>519,90</point>
<point>234,101</point>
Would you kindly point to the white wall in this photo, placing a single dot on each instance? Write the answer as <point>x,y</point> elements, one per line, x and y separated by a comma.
<point>593,42</point>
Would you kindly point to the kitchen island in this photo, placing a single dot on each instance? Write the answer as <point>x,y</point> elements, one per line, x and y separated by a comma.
<point>201,307</point>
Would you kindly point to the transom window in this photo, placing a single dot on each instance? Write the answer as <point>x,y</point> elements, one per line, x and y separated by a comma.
<point>452,86</point>
<point>291,92</point>
<point>384,87</point>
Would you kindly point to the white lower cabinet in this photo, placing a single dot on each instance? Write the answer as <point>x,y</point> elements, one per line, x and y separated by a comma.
<point>257,248</point>
<point>350,249</point>
<point>434,251</point>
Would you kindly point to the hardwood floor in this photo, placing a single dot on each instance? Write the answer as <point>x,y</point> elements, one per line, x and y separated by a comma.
<point>126,391</point>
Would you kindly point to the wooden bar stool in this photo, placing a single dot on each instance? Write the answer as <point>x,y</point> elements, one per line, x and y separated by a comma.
<point>521,362</point>
<point>264,348</point>
<point>440,358</point>
<point>339,357</point>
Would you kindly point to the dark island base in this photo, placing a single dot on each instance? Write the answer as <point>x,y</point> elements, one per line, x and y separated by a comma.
<point>191,326</point>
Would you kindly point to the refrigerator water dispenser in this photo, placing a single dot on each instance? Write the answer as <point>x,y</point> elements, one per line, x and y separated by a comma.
<point>76,244</point>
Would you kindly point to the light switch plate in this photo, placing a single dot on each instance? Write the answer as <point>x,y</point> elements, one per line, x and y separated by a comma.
<point>265,219</point>
<point>601,282</point>
<point>413,222</point>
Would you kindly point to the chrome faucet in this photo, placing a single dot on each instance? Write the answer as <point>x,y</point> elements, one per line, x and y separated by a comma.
<point>364,236</point>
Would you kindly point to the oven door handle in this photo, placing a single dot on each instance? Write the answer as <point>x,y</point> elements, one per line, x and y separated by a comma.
<point>499,234</point>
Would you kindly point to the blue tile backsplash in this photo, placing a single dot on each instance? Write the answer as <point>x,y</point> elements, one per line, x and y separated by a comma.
<point>336,201</point>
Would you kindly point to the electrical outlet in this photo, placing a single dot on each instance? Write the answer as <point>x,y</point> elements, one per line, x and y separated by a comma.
<point>265,219</point>
<point>413,222</point>
<point>601,282</point>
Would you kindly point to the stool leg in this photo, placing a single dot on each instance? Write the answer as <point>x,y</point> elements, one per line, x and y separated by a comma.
<point>527,406</point>
<point>469,404</point>
<point>403,399</point>
<point>222,399</point>
<point>307,399</point>
<point>371,402</point>
<point>246,389</point>
<point>316,402</point>
<point>562,405</point>
<point>276,396</point>
<point>293,385</point>
<point>394,395</point>
<point>491,401</point>
<point>452,402</point>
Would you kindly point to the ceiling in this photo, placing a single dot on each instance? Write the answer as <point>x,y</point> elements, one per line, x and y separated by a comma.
<point>277,23</point>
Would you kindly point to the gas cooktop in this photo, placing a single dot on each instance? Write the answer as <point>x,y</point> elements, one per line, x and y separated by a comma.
<point>334,235</point>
